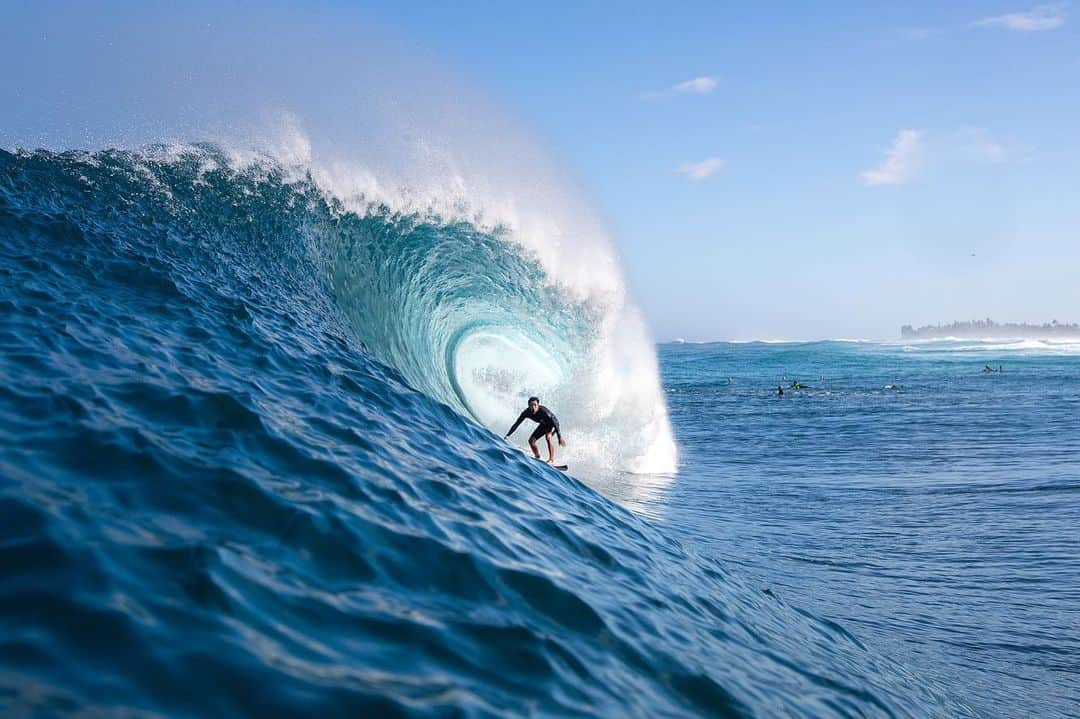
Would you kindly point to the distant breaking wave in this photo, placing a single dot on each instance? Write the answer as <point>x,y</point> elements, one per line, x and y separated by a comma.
<point>991,344</point>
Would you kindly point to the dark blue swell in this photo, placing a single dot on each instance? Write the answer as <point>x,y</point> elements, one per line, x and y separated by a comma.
<point>214,501</point>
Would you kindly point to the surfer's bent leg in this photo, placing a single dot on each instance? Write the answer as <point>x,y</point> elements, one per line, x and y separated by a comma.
<point>551,448</point>
<point>543,429</point>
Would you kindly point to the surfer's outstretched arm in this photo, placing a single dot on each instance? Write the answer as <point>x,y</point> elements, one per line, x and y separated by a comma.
<point>520,418</point>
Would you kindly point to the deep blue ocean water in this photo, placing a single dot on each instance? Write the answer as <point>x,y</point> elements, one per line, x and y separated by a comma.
<point>927,506</point>
<point>240,475</point>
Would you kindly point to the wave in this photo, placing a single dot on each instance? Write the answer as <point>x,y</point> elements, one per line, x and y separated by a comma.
<point>462,307</point>
<point>942,344</point>
<point>777,341</point>
<point>992,344</point>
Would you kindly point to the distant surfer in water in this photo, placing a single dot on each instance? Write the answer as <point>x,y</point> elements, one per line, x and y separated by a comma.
<point>547,423</point>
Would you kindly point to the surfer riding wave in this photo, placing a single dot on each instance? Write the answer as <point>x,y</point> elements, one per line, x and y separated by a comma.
<point>547,424</point>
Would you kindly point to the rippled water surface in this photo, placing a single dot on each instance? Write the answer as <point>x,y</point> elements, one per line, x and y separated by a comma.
<point>928,506</point>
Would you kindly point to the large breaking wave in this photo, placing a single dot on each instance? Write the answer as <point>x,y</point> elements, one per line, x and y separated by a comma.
<point>464,307</point>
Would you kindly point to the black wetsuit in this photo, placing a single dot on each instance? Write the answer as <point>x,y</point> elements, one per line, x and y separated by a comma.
<point>545,419</point>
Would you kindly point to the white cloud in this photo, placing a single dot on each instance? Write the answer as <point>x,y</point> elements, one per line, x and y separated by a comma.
<point>1042,17</point>
<point>700,170</point>
<point>900,161</point>
<point>698,86</point>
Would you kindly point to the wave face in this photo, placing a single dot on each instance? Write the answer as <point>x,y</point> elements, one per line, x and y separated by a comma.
<point>241,473</point>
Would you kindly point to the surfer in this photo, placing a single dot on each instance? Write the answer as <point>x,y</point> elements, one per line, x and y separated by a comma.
<point>546,422</point>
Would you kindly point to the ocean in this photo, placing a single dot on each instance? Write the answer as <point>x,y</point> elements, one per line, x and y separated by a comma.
<point>251,464</point>
<point>926,505</point>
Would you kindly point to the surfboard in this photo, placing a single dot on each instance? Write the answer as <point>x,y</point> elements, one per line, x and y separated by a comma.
<point>561,467</point>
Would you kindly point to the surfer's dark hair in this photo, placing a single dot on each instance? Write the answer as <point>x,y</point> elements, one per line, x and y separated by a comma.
<point>534,398</point>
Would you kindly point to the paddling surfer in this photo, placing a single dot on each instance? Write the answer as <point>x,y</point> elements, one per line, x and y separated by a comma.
<point>547,423</point>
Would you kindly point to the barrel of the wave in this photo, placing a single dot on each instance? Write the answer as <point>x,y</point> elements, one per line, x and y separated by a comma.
<point>473,319</point>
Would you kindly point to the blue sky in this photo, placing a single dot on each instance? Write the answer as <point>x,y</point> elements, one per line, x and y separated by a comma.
<point>776,171</point>
<point>802,170</point>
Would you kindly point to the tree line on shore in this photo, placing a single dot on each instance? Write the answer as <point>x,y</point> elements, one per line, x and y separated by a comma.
<point>989,328</point>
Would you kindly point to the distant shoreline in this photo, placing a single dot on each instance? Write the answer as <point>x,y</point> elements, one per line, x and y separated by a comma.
<point>988,329</point>
<point>975,337</point>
